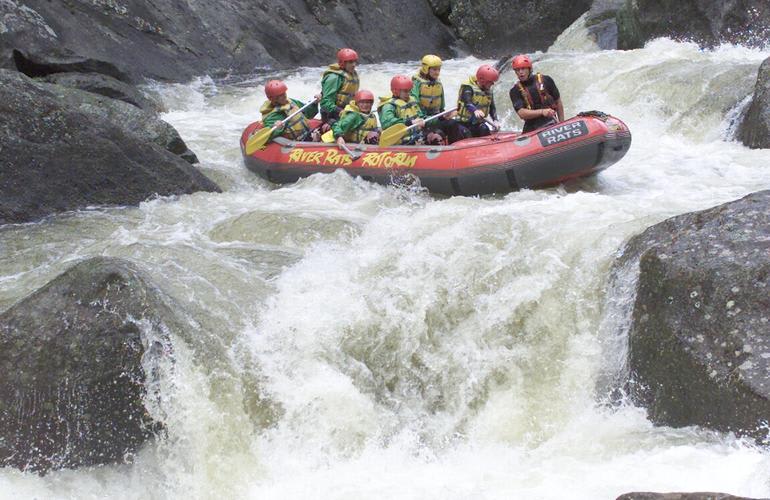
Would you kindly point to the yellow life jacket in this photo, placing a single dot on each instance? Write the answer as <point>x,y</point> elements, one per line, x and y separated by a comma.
<point>431,94</point>
<point>404,110</point>
<point>482,99</point>
<point>369,125</point>
<point>297,128</point>
<point>349,85</point>
<point>545,97</point>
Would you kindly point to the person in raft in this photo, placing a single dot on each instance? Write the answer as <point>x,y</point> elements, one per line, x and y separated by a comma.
<point>278,106</point>
<point>475,102</point>
<point>357,122</point>
<point>339,84</point>
<point>402,107</point>
<point>535,97</point>
<point>428,90</point>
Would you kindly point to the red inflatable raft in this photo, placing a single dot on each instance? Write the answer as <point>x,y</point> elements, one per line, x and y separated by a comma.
<point>498,163</point>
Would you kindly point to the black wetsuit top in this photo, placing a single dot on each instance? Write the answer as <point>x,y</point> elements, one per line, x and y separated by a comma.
<point>537,103</point>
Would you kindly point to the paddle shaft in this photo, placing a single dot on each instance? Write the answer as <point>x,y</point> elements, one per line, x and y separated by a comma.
<point>426,120</point>
<point>345,148</point>
<point>300,110</point>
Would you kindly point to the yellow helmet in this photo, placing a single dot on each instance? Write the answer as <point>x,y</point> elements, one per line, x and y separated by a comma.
<point>428,62</point>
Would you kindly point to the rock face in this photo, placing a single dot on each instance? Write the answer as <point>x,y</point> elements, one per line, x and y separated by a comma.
<point>699,343</point>
<point>55,157</point>
<point>708,22</point>
<point>496,27</point>
<point>77,357</point>
<point>175,41</point>
<point>680,496</point>
<point>755,129</point>
<point>106,86</point>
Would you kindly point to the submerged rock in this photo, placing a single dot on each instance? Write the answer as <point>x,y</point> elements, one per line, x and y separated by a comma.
<point>55,157</point>
<point>699,341</point>
<point>80,359</point>
<point>755,129</point>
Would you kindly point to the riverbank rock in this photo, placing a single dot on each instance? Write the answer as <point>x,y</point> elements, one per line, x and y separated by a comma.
<point>80,360</point>
<point>497,27</point>
<point>55,157</point>
<point>176,41</point>
<point>680,496</point>
<point>146,126</point>
<point>755,129</point>
<point>106,86</point>
<point>699,340</point>
<point>706,22</point>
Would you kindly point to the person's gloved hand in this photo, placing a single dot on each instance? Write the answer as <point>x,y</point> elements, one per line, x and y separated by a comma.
<point>372,137</point>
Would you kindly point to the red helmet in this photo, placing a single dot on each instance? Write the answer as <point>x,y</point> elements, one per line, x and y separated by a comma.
<point>521,61</point>
<point>486,75</point>
<point>363,95</point>
<point>399,83</point>
<point>346,55</point>
<point>274,88</point>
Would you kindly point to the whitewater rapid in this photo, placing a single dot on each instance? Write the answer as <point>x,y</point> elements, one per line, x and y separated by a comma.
<point>359,341</point>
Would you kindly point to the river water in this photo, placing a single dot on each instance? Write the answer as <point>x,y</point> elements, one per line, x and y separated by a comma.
<point>350,340</point>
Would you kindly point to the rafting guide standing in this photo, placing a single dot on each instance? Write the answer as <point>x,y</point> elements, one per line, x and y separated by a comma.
<point>535,97</point>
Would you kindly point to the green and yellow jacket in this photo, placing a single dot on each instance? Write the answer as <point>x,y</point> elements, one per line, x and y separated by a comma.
<point>298,128</point>
<point>394,110</point>
<point>429,93</point>
<point>337,88</point>
<point>354,124</point>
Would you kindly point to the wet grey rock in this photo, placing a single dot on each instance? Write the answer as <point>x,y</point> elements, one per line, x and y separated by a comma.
<point>602,23</point>
<point>699,341</point>
<point>146,126</point>
<point>499,27</point>
<point>55,157</point>
<point>80,360</point>
<point>680,496</point>
<point>175,41</point>
<point>755,129</point>
<point>707,22</point>
<point>104,85</point>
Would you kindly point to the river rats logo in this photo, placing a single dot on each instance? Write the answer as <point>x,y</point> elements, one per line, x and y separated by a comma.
<point>562,133</point>
<point>332,157</point>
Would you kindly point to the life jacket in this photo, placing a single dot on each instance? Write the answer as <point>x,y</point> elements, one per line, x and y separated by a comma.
<point>431,94</point>
<point>482,99</point>
<point>406,111</point>
<point>296,129</point>
<point>546,98</point>
<point>349,85</point>
<point>369,125</point>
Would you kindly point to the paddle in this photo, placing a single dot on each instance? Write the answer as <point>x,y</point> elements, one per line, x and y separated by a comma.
<point>353,155</point>
<point>394,134</point>
<point>258,140</point>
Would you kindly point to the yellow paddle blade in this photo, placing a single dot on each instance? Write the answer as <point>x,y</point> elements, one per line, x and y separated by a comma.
<point>392,135</point>
<point>258,140</point>
<point>328,136</point>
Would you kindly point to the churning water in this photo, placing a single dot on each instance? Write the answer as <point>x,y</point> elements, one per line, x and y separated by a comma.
<point>351,341</point>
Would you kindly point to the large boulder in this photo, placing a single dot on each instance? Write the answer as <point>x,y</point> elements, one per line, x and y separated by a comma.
<point>55,157</point>
<point>707,22</point>
<point>143,124</point>
<point>495,27</point>
<point>80,360</point>
<point>107,86</point>
<point>755,129</point>
<point>699,340</point>
<point>175,41</point>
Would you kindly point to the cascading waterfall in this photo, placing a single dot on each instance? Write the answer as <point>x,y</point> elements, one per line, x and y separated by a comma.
<point>350,340</point>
